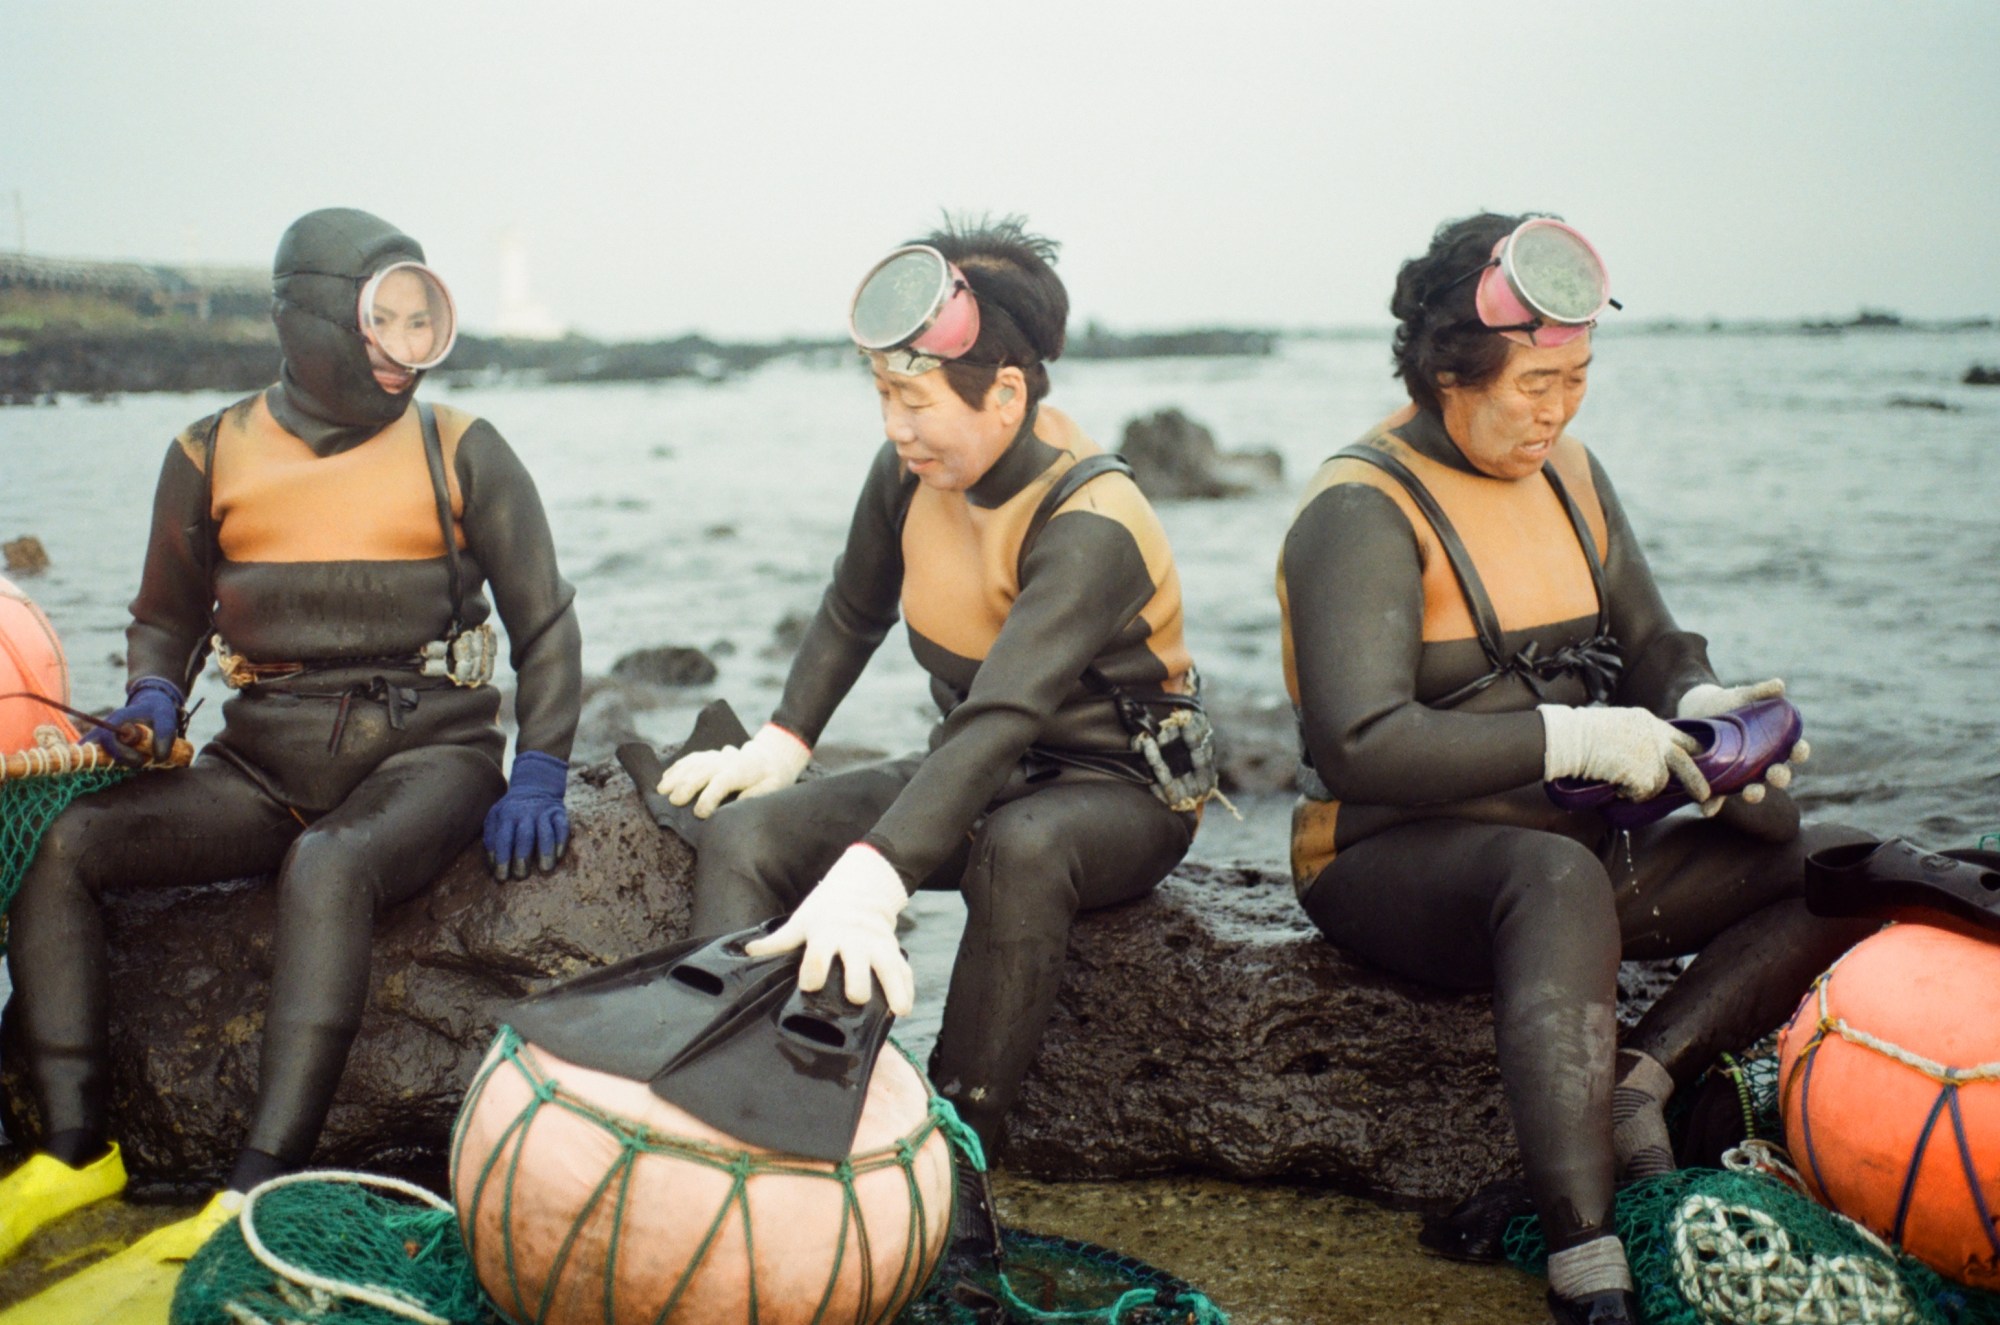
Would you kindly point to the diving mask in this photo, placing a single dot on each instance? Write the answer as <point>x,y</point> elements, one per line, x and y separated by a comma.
<point>915,310</point>
<point>1544,285</point>
<point>406,311</point>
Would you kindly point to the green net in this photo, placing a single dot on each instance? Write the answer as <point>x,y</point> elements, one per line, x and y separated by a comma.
<point>1746,1246</point>
<point>1050,1279</point>
<point>27,807</point>
<point>346,1249</point>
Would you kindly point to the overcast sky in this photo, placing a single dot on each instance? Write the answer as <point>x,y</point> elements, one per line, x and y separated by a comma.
<point>733,167</point>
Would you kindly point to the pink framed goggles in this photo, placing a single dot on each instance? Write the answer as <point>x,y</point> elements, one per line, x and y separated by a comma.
<point>1544,285</point>
<point>915,310</point>
<point>406,311</point>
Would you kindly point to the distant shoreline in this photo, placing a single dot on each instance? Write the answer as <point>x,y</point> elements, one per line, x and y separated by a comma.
<point>99,338</point>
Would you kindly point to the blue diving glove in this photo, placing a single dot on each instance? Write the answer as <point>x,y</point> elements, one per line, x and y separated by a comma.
<point>154,701</point>
<point>530,819</point>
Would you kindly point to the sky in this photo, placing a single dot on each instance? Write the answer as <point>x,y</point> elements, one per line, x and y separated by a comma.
<point>733,168</point>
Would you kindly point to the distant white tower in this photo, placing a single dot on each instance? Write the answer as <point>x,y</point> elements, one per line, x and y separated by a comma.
<point>520,315</point>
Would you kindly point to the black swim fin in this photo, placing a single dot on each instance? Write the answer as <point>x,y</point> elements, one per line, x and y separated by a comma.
<point>714,727</point>
<point>788,1072</point>
<point>1881,879</point>
<point>633,1018</point>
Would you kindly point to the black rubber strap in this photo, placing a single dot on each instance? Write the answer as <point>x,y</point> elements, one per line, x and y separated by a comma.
<point>1065,487</point>
<point>1589,544</point>
<point>211,550</point>
<point>434,455</point>
<point>1484,619</point>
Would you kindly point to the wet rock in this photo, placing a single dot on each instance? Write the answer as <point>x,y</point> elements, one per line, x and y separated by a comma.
<point>668,665</point>
<point>1981,375</point>
<point>191,977</point>
<point>1209,1027</point>
<point>605,723</point>
<point>1923,402</point>
<point>1173,457</point>
<point>787,635</point>
<point>25,555</point>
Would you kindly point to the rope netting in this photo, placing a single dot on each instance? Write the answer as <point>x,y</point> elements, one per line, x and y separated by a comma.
<point>29,803</point>
<point>1745,1245</point>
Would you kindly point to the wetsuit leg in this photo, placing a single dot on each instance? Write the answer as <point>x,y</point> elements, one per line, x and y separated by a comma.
<point>162,830</point>
<point>1529,914</point>
<point>761,856</point>
<point>1688,885</point>
<point>1034,863</point>
<point>386,842</point>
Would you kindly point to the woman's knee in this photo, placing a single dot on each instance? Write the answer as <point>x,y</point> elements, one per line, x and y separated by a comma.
<point>63,859</point>
<point>325,875</point>
<point>1020,870</point>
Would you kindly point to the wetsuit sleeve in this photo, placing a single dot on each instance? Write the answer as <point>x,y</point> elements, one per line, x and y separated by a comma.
<point>1662,661</point>
<point>858,608</point>
<point>168,636</point>
<point>1084,582</point>
<point>508,531</point>
<point>1354,592</point>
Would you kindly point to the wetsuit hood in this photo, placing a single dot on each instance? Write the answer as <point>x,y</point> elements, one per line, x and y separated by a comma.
<point>326,393</point>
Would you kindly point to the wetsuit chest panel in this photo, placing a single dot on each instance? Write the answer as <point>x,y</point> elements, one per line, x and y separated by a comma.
<point>958,566</point>
<point>275,500</point>
<point>1516,532</point>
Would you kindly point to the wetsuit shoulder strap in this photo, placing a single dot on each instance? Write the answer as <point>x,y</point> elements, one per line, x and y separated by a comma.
<point>434,457</point>
<point>210,551</point>
<point>1589,544</point>
<point>1066,486</point>
<point>1484,619</point>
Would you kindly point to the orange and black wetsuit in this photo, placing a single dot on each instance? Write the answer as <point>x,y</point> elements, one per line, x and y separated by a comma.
<point>1426,843</point>
<point>306,532</point>
<point>1028,799</point>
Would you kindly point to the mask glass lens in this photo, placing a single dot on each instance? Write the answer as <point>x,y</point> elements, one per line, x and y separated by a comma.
<point>406,310</point>
<point>1557,274</point>
<point>898,298</point>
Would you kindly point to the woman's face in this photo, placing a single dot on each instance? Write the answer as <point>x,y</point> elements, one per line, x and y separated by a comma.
<point>947,444</point>
<point>1508,427</point>
<point>401,330</point>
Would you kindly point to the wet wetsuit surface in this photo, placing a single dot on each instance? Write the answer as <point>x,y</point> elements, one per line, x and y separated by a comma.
<point>357,781</point>
<point>1027,798</point>
<point>1432,849</point>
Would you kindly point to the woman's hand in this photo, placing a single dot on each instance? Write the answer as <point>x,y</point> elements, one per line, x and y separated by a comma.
<point>1709,701</point>
<point>769,761</point>
<point>1627,747</point>
<point>851,915</point>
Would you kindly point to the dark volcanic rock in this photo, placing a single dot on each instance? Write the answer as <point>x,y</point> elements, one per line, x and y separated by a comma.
<point>1172,456</point>
<point>1208,1026</point>
<point>191,976</point>
<point>668,665</point>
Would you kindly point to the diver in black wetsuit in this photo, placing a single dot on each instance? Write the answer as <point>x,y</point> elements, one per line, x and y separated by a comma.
<point>333,541</point>
<point>1425,842</point>
<point>1032,800</point>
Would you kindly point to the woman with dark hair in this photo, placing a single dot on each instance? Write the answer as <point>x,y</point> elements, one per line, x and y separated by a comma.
<point>1070,759</point>
<point>1467,613</point>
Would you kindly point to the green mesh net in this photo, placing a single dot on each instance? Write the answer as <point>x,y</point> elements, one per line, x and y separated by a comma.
<point>1050,1279</point>
<point>27,807</point>
<point>1746,1246</point>
<point>347,1249</point>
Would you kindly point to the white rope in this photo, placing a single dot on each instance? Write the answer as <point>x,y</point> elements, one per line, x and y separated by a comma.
<point>321,1291</point>
<point>1736,1265</point>
<point>1936,1071</point>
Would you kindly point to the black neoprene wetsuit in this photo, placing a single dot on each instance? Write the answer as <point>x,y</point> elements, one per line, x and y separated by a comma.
<point>998,806</point>
<point>1432,849</point>
<point>300,539</point>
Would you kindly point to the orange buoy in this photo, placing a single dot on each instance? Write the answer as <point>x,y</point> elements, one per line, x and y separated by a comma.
<point>1891,1094</point>
<point>585,1198</point>
<point>31,660</point>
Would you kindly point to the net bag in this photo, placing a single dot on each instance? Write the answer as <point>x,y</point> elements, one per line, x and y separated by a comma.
<point>334,1248</point>
<point>585,1199</point>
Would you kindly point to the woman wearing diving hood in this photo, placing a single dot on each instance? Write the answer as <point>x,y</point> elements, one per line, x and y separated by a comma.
<point>333,543</point>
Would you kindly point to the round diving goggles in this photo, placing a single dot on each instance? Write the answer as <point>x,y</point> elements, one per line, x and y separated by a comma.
<point>1544,285</point>
<point>406,312</point>
<point>915,310</point>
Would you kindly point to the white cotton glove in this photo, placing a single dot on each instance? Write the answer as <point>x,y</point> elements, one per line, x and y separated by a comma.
<point>769,761</point>
<point>1628,747</point>
<point>851,915</point>
<point>1709,701</point>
